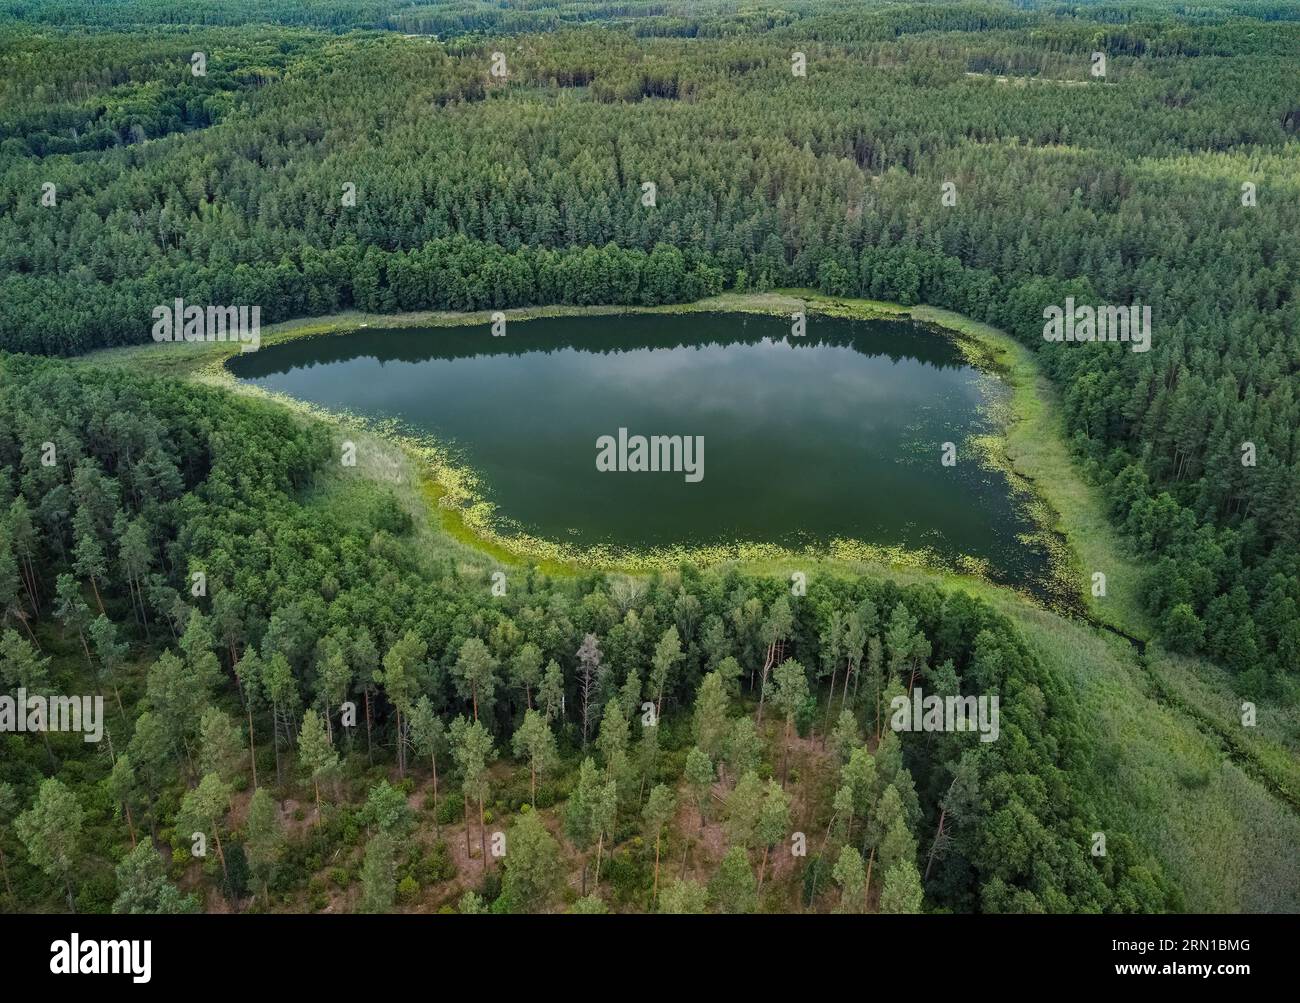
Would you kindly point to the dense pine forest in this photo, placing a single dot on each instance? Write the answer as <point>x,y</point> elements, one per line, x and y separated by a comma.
<point>302,669</point>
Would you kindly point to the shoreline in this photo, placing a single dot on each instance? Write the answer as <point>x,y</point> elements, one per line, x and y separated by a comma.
<point>1021,448</point>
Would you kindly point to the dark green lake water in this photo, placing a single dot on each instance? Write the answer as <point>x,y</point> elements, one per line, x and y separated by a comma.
<point>837,434</point>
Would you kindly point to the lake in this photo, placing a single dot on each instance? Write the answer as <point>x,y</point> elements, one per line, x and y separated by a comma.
<point>838,434</point>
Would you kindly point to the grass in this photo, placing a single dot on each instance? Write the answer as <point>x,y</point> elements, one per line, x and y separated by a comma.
<point>1223,839</point>
<point>1270,746</point>
<point>1036,450</point>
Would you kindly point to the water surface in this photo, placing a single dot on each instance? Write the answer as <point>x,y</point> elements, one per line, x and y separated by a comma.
<point>835,435</point>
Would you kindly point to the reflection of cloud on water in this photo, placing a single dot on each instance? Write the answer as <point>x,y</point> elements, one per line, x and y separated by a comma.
<point>806,439</point>
<point>769,383</point>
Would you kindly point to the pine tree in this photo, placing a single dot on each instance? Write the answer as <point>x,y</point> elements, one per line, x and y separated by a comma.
<point>378,875</point>
<point>472,750</point>
<point>525,670</point>
<point>142,886</point>
<point>335,676</point>
<point>647,753</point>
<point>534,742</point>
<point>204,810</point>
<point>775,629</point>
<point>110,651</point>
<point>250,674</point>
<point>532,864</point>
<point>317,757</point>
<point>630,695</point>
<point>773,823</point>
<point>589,669</point>
<point>744,810</point>
<point>658,811</point>
<point>72,610</point>
<point>51,831</point>
<point>264,841</point>
<point>684,898</point>
<point>282,693</point>
<point>710,726</point>
<point>590,814</point>
<point>476,672</point>
<point>832,647</point>
<point>845,737</point>
<point>428,738</point>
<point>875,680</point>
<point>612,740</point>
<point>668,652</point>
<point>744,747</point>
<point>850,875</point>
<point>399,679</point>
<point>221,746</point>
<point>902,891</point>
<point>733,888</point>
<point>790,695</point>
<point>729,671</point>
<point>699,777</point>
<point>551,692</point>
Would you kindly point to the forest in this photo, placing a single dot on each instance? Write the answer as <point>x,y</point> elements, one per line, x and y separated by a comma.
<point>338,702</point>
<point>470,705</point>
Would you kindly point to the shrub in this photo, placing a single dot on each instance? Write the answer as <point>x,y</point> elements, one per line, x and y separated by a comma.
<point>547,795</point>
<point>437,865</point>
<point>408,889</point>
<point>450,808</point>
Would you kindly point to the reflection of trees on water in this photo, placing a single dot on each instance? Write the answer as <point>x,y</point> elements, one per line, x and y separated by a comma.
<point>608,334</point>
